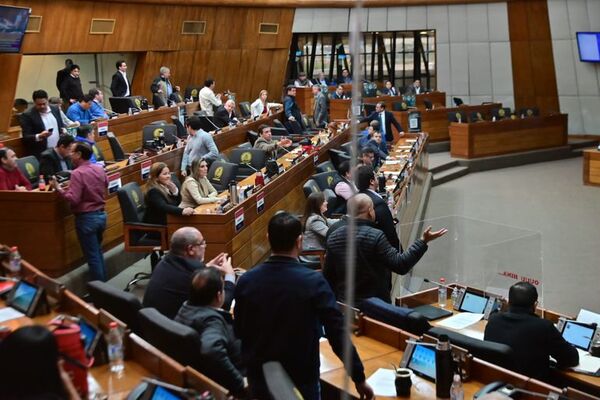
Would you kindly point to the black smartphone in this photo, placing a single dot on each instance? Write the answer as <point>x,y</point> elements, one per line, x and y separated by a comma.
<point>51,130</point>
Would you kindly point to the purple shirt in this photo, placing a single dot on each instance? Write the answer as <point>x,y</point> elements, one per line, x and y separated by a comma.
<point>87,188</point>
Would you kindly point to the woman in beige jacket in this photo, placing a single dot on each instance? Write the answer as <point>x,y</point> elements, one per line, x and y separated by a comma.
<point>196,188</point>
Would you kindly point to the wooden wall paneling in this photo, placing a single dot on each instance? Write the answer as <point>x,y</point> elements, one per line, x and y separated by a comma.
<point>199,70</point>
<point>209,14</point>
<point>277,71</point>
<point>222,24</point>
<point>250,33</point>
<point>146,70</point>
<point>269,41</point>
<point>286,21</point>
<point>123,37</point>
<point>235,29</point>
<point>262,69</point>
<point>248,87</point>
<point>146,31</point>
<point>11,63</point>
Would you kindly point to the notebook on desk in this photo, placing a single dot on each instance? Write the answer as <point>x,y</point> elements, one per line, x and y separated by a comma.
<point>431,312</point>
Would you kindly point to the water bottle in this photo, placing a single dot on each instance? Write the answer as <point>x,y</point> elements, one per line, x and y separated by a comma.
<point>443,367</point>
<point>14,265</point>
<point>233,193</point>
<point>442,293</point>
<point>42,184</point>
<point>115,348</point>
<point>454,297</point>
<point>456,390</point>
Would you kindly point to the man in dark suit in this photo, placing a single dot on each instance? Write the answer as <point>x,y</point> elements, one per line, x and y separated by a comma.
<point>415,88</point>
<point>339,93</point>
<point>386,120</point>
<point>57,160</point>
<point>62,74</point>
<point>320,110</point>
<point>225,114</point>
<point>294,123</point>
<point>533,339</point>
<point>120,85</point>
<point>71,90</point>
<point>320,80</point>
<point>345,78</point>
<point>366,183</point>
<point>389,89</point>
<point>281,310</point>
<point>41,125</point>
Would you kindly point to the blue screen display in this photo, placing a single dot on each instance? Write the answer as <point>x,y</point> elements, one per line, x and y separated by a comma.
<point>23,297</point>
<point>423,360</point>
<point>88,332</point>
<point>589,46</point>
<point>473,303</point>
<point>578,335</point>
<point>160,393</point>
<point>13,23</point>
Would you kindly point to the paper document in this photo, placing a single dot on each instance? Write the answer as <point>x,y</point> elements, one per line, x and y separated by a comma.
<point>8,313</point>
<point>382,382</point>
<point>588,317</point>
<point>587,363</point>
<point>392,162</point>
<point>460,321</point>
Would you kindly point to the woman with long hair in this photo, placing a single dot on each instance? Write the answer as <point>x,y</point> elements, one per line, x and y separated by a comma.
<point>315,224</point>
<point>261,106</point>
<point>196,188</point>
<point>162,196</point>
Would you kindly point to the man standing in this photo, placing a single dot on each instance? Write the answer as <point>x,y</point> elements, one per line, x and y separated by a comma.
<point>533,339</point>
<point>80,111</point>
<point>200,144</point>
<point>169,286</point>
<point>265,142</point>
<point>57,160</point>
<point>281,309</point>
<point>71,86</point>
<point>386,120</point>
<point>294,123</point>
<point>225,114</point>
<point>41,125</point>
<point>97,110</point>
<point>320,110</point>
<point>85,194</point>
<point>208,99</point>
<point>162,88</point>
<point>62,74</point>
<point>120,85</point>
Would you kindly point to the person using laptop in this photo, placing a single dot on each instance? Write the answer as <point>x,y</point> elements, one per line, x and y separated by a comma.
<point>533,339</point>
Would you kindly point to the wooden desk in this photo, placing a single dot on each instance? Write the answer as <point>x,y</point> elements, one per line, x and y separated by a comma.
<point>305,100</point>
<point>591,167</point>
<point>481,139</point>
<point>435,122</point>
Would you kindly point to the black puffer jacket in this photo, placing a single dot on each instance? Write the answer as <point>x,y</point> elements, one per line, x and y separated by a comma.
<point>376,259</point>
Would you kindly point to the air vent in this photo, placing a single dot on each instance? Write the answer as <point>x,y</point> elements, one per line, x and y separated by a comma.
<point>101,26</point>
<point>193,28</point>
<point>268,29</point>
<point>35,24</point>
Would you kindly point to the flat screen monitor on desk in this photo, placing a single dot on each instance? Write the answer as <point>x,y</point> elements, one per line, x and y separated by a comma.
<point>121,105</point>
<point>24,297</point>
<point>421,359</point>
<point>579,335</point>
<point>588,44</point>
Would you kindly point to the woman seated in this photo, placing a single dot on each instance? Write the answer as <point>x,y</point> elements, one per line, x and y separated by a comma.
<point>30,367</point>
<point>261,106</point>
<point>162,196</point>
<point>316,224</point>
<point>196,188</point>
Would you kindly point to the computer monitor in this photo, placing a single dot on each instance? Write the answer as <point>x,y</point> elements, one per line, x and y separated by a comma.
<point>588,44</point>
<point>167,134</point>
<point>473,303</point>
<point>578,334</point>
<point>24,297</point>
<point>13,27</point>
<point>192,92</point>
<point>121,105</point>
<point>422,361</point>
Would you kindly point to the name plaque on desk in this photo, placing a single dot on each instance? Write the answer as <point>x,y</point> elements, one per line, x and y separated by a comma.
<point>238,219</point>
<point>102,128</point>
<point>114,182</point>
<point>145,169</point>
<point>260,202</point>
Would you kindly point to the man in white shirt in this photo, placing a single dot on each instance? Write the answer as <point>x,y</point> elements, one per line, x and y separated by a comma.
<point>120,86</point>
<point>41,125</point>
<point>208,99</point>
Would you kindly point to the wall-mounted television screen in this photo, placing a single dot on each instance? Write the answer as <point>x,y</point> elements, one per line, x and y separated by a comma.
<point>13,23</point>
<point>589,46</point>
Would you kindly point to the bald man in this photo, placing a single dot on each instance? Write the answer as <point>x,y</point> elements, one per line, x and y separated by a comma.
<point>225,114</point>
<point>375,258</point>
<point>169,286</point>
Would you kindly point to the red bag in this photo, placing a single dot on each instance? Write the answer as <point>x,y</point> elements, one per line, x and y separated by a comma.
<point>71,349</point>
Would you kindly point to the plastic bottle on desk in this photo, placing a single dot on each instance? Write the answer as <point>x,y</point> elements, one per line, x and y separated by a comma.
<point>456,390</point>
<point>442,293</point>
<point>259,180</point>
<point>454,296</point>
<point>42,184</point>
<point>14,264</point>
<point>114,342</point>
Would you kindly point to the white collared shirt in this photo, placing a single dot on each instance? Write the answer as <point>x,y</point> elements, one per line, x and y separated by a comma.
<point>127,93</point>
<point>50,122</point>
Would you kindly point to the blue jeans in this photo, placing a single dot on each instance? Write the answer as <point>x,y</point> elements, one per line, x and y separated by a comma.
<point>90,227</point>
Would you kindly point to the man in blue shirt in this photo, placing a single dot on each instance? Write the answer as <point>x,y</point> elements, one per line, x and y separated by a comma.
<point>80,111</point>
<point>97,109</point>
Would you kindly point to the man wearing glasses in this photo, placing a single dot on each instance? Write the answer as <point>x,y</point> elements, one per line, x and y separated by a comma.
<point>170,284</point>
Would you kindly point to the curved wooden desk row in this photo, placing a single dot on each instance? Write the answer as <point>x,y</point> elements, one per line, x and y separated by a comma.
<point>141,358</point>
<point>41,220</point>
<point>591,167</point>
<point>586,383</point>
<point>487,138</point>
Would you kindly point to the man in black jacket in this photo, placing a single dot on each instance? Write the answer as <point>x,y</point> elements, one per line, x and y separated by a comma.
<point>533,339</point>
<point>120,85</point>
<point>62,74</point>
<point>221,350</point>
<point>170,283</point>
<point>225,114</point>
<point>375,258</point>
<point>58,159</point>
<point>41,125</point>
<point>70,90</point>
<point>282,309</point>
<point>386,119</point>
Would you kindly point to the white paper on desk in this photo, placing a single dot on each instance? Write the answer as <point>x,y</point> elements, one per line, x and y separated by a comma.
<point>392,162</point>
<point>382,382</point>
<point>588,317</point>
<point>587,363</point>
<point>9,313</point>
<point>460,321</point>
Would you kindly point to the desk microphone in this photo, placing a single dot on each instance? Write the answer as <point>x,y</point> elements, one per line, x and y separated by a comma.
<point>7,279</point>
<point>212,123</point>
<point>249,166</point>
<point>437,283</point>
<point>283,148</point>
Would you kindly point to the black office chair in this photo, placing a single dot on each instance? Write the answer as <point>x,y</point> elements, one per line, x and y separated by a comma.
<point>326,180</point>
<point>457,116</point>
<point>369,108</point>
<point>493,352</point>
<point>221,173</point>
<point>245,109</point>
<point>140,237</point>
<point>325,166</point>
<point>457,101</point>
<point>245,145</point>
<point>98,153</point>
<point>30,167</point>
<point>310,186</point>
<point>501,113</point>
<point>337,157</point>
<point>124,306</point>
<point>176,180</point>
<point>115,147</point>
<point>528,112</point>
<point>252,137</point>
<point>347,148</point>
<point>475,117</point>
<point>399,106</point>
<point>154,131</point>
<point>278,129</point>
<point>181,131</point>
<point>176,340</point>
<point>248,160</point>
<point>158,122</point>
